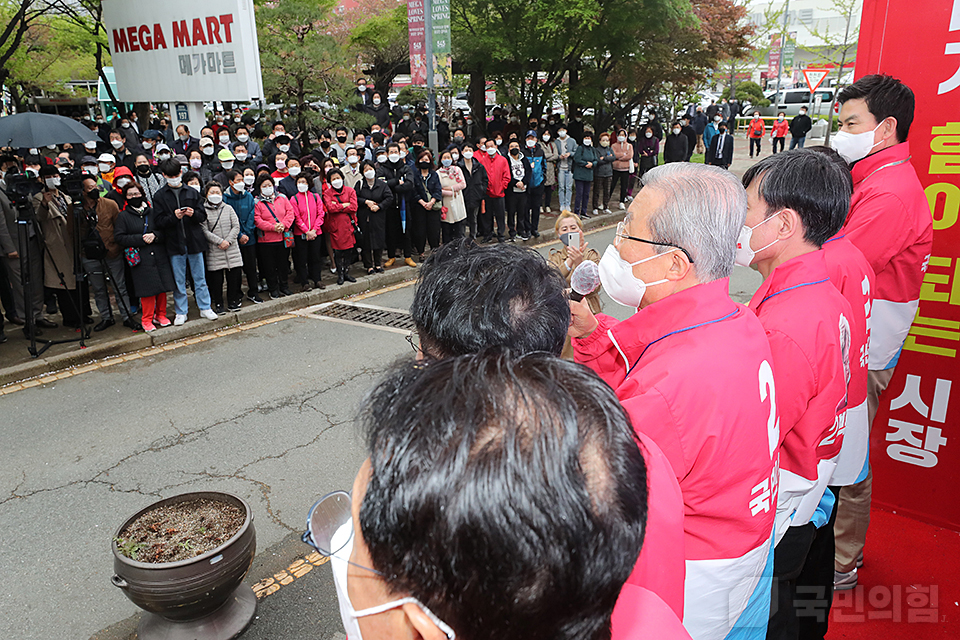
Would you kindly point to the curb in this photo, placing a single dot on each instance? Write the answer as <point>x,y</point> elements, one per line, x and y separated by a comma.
<point>270,308</point>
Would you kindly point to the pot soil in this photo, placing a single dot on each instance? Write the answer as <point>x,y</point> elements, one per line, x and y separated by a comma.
<point>180,531</point>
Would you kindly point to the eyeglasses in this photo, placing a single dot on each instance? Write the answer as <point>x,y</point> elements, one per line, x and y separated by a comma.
<point>413,339</point>
<point>621,235</point>
<point>326,531</point>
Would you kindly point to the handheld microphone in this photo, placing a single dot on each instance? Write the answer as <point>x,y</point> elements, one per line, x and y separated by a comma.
<point>584,280</point>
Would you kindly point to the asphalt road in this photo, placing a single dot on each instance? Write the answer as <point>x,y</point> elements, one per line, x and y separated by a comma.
<point>265,413</point>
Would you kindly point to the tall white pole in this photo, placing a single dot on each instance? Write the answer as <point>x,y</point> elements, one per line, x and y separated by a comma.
<point>783,45</point>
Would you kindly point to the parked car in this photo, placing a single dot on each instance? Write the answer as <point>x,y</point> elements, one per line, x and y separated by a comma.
<point>790,102</point>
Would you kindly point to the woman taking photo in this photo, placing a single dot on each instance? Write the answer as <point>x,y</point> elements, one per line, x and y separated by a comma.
<point>308,230</point>
<point>340,203</point>
<point>427,201</point>
<point>373,199</point>
<point>274,217</point>
<point>573,251</point>
<point>452,184</point>
<point>222,230</point>
<point>144,249</point>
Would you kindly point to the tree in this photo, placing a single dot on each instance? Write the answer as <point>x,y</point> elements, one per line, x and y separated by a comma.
<point>304,66</point>
<point>16,16</point>
<point>757,47</point>
<point>837,49</point>
<point>751,92</point>
<point>382,44</point>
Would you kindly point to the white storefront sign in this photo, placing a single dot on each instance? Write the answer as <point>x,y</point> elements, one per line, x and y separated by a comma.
<point>184,50</point>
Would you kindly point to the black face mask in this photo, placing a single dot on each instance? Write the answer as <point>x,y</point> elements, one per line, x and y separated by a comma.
<point>325,145</point>
<point>93,195</point>
<point>136,203</point>
<point>143,169</point>
<point>514,152</point>
<point>341,139</point>
<point>425,165</point>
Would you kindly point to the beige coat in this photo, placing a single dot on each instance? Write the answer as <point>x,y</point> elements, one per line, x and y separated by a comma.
<point>222,224</point>
<point>558,258</point>
<point>56,223</point>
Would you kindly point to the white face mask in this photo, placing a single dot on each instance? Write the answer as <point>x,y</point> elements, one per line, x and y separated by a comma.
<point>92,171</point>
<point>52,183</point>
<point>531,144</point>
<point>779,118</point>
<point>491,151</point>
<point>147,145</point>
<point>803,112</point>
<point>633,138</point>
<point>376,101</point>
<point>238,186</point>
<point>195,187</point>
<point>468,155</point>
<point>676,132</point>
<point>104,168</point>
<point>369,174</point>
<point>249,180</point>
<point>588,142</point>
<point>116,144</point>
<point>195,163</point>
<point>281,164</point>
<point>90,145</point>
<point>455,156</point>
<point>302,188</point>
<point>241,157</point>
<point>266,191</point>
<point>348,615</point>
<point>125,125</point>
<point>227,165</point>
<point>224,139</point>
<point>394,157</point>
<point>207,151</point>
<point>745,253</point>
<point>621,138</point>
<point>361,88</point>
<point>174,182</point>
<point>294,171</point>
<point>854,146</point>
<point>215,198</point>
<point>163,156</point>
<point>546,137</point>
<point>122,182</point>
<point>336,183</point>
<point>381,158</point>
<point>616,275</point>
<point>359,144</point>
<point>284,148</point>
<point>243,137</point>
<point>648,134</point>
<point>353,159</point>
<point>562,134</point>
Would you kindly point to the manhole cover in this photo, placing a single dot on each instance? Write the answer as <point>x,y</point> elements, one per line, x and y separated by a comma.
<point>356,313</point>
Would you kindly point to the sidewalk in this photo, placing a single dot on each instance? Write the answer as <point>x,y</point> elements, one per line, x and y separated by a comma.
<point>18,366</point>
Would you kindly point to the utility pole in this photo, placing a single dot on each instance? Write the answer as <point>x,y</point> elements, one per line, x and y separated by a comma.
<point>432,139</point>
<point>783,45</point>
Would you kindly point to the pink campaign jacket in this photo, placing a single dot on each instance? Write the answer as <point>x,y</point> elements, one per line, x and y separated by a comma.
<point>641,615</point>
<point>890,223</point>
<point>853,277</point>
<point>309,212</point>
<point>809,326</point>
<point>694,371</point>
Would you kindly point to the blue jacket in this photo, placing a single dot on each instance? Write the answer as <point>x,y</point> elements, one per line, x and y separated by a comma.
<point>433,187</point>
<point>709,132</point>
<point>582,156</point>
<point>537,165</point>
<point>243,203</point>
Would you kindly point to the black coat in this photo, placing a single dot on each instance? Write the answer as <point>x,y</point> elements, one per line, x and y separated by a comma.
<point>153,275</point>
<point>691,135</point>
<point>392,174</point>
<point>186,234</point>
<point>800,126</point>
<point>675,148</point>
<point>372,223</point>
<point>476,189</point>
<point>380,112</point>
<point>726,156</point>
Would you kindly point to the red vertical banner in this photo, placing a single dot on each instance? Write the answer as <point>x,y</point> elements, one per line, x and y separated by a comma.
<point>416,27</point>
<point>915,441</point>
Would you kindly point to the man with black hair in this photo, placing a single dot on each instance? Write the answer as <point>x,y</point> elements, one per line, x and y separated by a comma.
<point>279,139</point>
<point>687,130</point>
<point>399,177</point>
<point>514,464</point>
<point>796,201</point>
<point>720,149</point>
<point>890,223</point>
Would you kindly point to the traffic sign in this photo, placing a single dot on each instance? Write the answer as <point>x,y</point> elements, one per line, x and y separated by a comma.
<point>814,77</point>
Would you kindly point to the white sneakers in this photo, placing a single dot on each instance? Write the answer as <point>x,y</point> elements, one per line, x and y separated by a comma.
<point>179,320</point>
<point>209,314</point>
<point>622,207</point>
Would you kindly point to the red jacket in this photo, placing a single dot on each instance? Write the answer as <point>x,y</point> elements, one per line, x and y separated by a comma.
<point>890,223</point>
<point>688,371</point>
<point>779,129</point>
<point>498,173</point>
<point>853,277</point>
<point>806,320</point>
<point>341,216</point>
<point>640,614</point>
<point>309,212</point>
<point>265,221</point>
<point>756,128</point>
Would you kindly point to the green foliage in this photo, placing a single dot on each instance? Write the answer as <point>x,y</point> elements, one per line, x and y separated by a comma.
<point>411,95</point>
<point>752,93</point>
<point>129,548</point>
<point>382,43</point>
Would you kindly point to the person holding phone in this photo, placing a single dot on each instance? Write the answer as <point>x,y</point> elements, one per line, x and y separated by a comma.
<point>568,257</point>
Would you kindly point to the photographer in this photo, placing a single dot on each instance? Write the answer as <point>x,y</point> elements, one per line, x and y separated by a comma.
<point>54,211</point>
<point>100,249</point>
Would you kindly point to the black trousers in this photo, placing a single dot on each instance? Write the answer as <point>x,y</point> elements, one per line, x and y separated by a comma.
<point>234,277</point>
<point>815,583</point>
<point>757,142</point>
<point>789,557</point>
<point>471,221</point>
<point>534,202</point>
<point>516,208</point>
<point>777,141</point>
<point>547,195</point>
<point>276,264</point>
<point>308,258</point>
<point>396,238</point>
<point>450,231</point>
<point>424,227</point>
<point>495,208</point>
<point>249,254</point>
<point>622,177</point>
<point>74,304</point>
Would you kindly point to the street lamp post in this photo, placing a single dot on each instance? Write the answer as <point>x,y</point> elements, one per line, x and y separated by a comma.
<point>432,139</point>
<point>783,45</point>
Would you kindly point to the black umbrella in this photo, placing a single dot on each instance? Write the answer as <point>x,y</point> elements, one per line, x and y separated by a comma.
<point>34,130</point>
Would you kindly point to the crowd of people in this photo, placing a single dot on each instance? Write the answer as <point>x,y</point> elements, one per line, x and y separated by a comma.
<point>503,488</point>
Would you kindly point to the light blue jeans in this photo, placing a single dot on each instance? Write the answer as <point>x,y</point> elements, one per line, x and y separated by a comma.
<point>565,188</point>
<point>199,273</point>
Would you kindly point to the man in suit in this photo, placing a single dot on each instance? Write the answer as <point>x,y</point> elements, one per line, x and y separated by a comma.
<point>720,152</point>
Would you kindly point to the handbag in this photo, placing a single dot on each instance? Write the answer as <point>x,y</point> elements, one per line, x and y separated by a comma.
<point>132,254</point>
<point>287,233</point>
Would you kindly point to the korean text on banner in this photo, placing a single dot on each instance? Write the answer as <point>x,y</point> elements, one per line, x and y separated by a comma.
<point>915,440</point>
<point>183,50</point>
<point>416,27</point>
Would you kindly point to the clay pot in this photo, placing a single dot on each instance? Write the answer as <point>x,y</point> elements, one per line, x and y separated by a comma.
<point>201,597</point>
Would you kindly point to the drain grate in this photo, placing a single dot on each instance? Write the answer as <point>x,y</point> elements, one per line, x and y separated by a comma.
<point>365,314</point>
